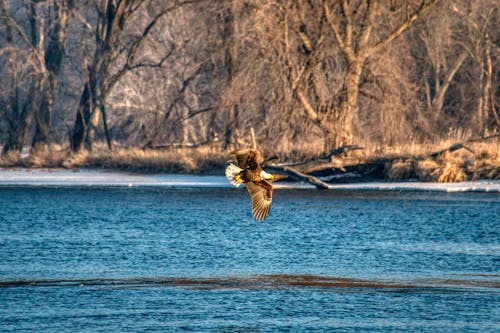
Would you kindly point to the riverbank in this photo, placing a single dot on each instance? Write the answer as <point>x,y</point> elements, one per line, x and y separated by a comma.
<point>442,163</point>
<point>99,177</point>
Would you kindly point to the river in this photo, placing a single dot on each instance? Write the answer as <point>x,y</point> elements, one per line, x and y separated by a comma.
<point>171,258</point>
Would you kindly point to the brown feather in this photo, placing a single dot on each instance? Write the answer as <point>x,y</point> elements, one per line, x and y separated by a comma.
<point>249,159</point>
<point>261,191</point>
<point>262,196</point>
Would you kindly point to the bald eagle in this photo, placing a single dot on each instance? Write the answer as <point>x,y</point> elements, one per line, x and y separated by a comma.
<point>249,172</point>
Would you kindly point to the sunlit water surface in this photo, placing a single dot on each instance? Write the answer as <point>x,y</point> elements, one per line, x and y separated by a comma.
<point>80,259</point>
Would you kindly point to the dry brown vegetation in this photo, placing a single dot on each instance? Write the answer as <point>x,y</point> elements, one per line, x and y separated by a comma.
<point>479,160</point>
<point>186,160</point>
<point>179,160</point>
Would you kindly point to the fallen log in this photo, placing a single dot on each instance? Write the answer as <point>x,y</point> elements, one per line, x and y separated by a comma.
<point>323,170</point>
<point>460,145</point>
<point>323,160</point>
<point>450,149</point>
<point>297,175</point>
<point>352,172</point>
<point>173,145</point>
<point>339,151</point>
<point>303,170</point>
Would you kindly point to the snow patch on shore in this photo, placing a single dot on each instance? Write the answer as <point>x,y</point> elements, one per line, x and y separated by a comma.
<point>84,177</point>
<point>491,186</point>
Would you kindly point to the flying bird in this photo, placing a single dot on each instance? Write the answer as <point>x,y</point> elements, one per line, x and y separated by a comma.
<point>249,172</point>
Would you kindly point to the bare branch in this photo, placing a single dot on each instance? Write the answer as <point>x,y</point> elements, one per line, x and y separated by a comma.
<point>346,48</point>
<point>129,67</point>
<point>311,113</point>
<point>367,25</point>
<point>191,114</point>
<point>13,24</point>
<point>173,104</point>
<point>400,29</point>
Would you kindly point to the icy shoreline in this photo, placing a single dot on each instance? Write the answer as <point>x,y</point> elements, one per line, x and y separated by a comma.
<point>84,177</point>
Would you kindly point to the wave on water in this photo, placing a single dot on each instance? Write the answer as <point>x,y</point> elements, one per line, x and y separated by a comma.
<point>273,281</point>
<point>446,248</point>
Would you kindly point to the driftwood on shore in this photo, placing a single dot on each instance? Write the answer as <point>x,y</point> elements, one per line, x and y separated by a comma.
<point>304,170</point>
<point>209,142</point>
<point>329,169</point>
<point>462,145</point>
<point>297,175</point>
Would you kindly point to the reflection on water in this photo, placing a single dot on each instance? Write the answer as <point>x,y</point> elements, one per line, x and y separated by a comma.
<point>146,259</point>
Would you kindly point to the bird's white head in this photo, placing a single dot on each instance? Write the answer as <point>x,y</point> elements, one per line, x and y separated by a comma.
<point>265,175</point>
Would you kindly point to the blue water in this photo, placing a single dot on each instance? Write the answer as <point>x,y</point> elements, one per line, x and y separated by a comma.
<point>76,259</point>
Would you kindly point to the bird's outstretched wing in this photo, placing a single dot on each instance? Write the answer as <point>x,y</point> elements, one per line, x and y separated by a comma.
<point>248,158</point>
<point>262,196</point>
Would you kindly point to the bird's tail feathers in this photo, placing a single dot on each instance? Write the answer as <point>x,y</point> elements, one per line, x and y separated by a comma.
<point>233,174</point>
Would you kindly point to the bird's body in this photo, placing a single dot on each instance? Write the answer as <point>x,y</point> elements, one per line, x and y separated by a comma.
<point>250,173</point>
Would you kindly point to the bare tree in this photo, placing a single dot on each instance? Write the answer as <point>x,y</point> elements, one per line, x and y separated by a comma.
<point>170,98</point>
<point>43,38</point>
<point>306,75</point>
<point>111,18</point>
<point>15,97</point>
<point>52,52</point>
<point>315,55</point>
<point>446,60</point>
<point>114,56</point>
<point>358,28</point>
<point>456,65</point>
<point>230,34</point>
<point>480,18</point>
<point>21,70</point>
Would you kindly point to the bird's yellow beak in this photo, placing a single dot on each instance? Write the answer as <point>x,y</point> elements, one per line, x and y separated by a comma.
<point>265,175</point>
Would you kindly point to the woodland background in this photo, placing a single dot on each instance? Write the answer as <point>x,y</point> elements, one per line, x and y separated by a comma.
<point>306,75</point>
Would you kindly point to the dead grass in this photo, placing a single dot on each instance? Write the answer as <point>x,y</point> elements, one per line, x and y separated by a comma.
<point>451,173</point>
<point>401,169</point>
<point>52,158</point>
<point>412,161</point>
<point>182,160</point>
<point>478,161</point>
<point>9,160</point>
<point>286,150</point>
<point>426,170</point>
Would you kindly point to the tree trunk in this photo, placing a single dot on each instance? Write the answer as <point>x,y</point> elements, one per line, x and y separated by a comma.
<point>42,122</point>
<point>231,125</point>
<point>91,103</point>
<point>230,33</point>
<point>79,136</point>
<point>442,88</point>
<point>15,141</point>
<point>93,124</point>
<point>53,60</point>
<point>106,130</point>
<point>344,120</point>
<point>18,124</point>
<point>19,117</point>
<point>109,27</point>
<point>488,93</point>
